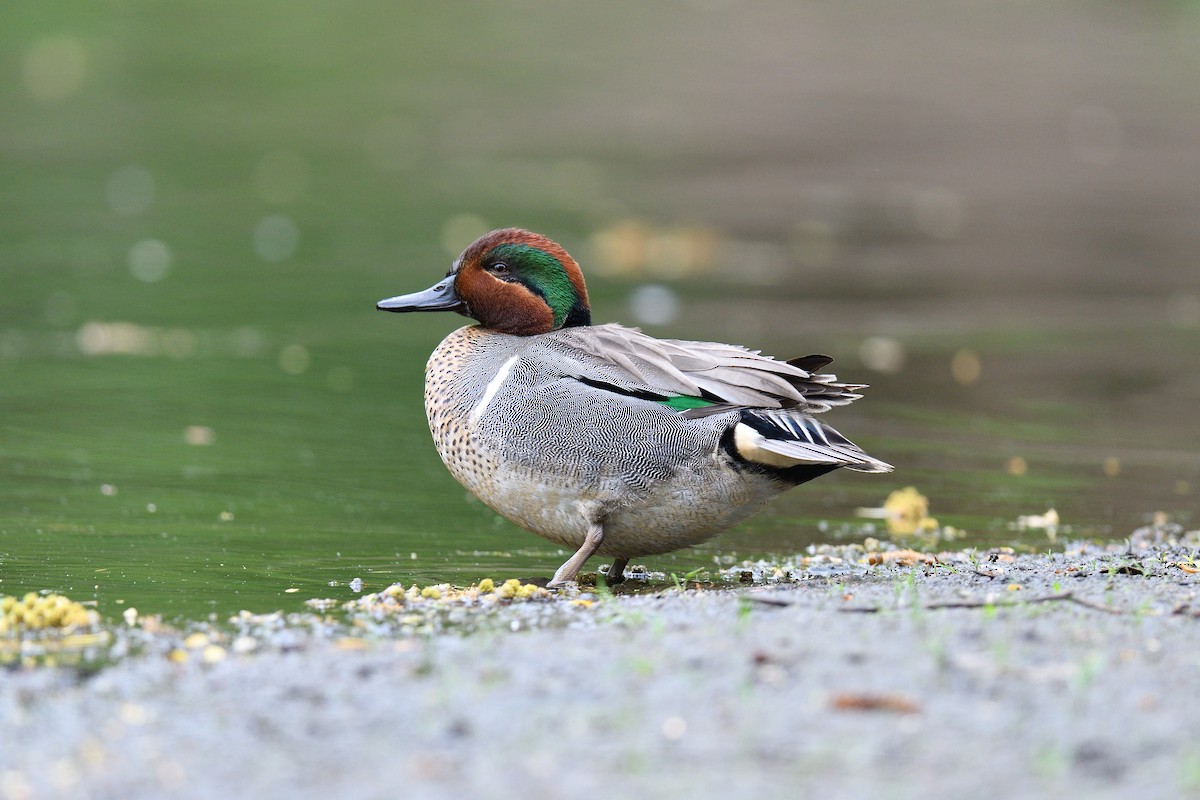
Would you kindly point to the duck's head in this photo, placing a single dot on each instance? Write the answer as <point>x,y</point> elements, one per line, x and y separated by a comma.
<point>512,281</point>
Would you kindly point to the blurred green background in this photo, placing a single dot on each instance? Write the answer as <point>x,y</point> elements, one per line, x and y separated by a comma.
<point>988,211</point>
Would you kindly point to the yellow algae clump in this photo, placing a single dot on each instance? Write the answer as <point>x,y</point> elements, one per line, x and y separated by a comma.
<point>429,601</point>
<point>966,367</point>
<point>196,641</point>
<point>509,589</point>
<point>513,589</point>
<point>44,612</point>
<point>213,654</point>
<point>908,512</point>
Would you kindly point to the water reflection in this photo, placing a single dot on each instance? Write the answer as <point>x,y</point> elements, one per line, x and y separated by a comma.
<point>882,354</point>
<point>149,260</point>
<point>54,68</point>
<point>119,338</point>
<point>129,190</point>
<point>276,237</point>
<point>654,304</point>
<point>96,338</point>
<point>294,359</point>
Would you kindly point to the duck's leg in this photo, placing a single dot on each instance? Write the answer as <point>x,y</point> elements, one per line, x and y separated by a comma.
<point>616,572</point>
<point>591,542</point>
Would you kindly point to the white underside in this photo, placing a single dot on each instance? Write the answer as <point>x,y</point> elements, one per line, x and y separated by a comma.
<point>678,513</point>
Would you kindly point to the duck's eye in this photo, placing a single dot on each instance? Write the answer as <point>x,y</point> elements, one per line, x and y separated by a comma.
<point>499,268</point>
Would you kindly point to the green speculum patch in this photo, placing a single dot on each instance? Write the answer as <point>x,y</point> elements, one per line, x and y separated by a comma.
<point>683,402</point>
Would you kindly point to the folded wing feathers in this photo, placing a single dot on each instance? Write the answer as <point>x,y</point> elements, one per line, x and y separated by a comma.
<point>811,363</point>
<point>733,374</point>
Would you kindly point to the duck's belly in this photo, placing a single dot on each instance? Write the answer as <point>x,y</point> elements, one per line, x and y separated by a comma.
<point>681,511</point>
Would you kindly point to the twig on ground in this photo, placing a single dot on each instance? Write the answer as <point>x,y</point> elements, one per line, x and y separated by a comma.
<point>774,602</point>
<point>1061,597</point>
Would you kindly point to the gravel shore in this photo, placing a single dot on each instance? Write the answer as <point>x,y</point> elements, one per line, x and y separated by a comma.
<point>1059,674</point>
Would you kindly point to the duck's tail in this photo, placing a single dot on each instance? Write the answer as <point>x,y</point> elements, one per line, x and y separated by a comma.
<point>784,439</point>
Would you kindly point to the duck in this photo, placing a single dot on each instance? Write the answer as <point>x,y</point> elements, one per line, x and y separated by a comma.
<point>601,438</point>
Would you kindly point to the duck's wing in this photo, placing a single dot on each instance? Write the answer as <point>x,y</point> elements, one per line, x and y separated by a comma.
<point>724,374</point>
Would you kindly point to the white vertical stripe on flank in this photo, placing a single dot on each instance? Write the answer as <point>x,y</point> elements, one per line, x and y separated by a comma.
<point>493,386</point>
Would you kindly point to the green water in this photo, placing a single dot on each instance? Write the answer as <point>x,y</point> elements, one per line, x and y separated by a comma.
<point>232,425</point>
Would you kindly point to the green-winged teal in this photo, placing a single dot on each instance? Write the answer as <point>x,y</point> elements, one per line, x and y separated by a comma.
<point>603,439</point>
